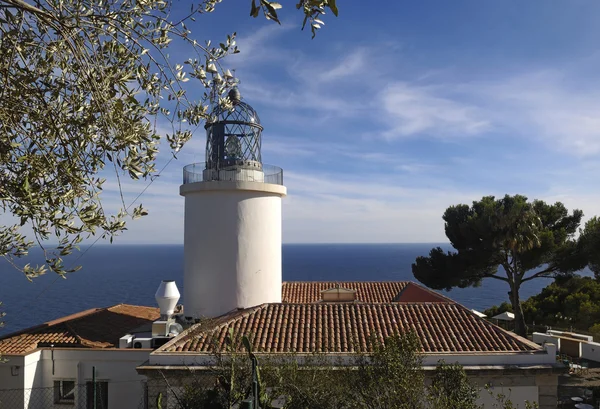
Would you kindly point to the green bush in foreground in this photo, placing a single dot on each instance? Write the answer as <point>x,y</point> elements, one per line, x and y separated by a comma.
<point>391,377</point>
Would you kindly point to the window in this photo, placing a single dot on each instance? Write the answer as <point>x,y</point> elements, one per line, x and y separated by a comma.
<point>64,392</point>
<point>101,395</point>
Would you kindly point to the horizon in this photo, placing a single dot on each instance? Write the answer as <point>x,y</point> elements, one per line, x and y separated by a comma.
<point>117,244</point>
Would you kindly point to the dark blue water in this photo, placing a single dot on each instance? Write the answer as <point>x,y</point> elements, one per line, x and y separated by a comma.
<point>114,274</point>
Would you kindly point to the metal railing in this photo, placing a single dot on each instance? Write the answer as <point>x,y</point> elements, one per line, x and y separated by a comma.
<point>531,328</point>
<point>197,172</point>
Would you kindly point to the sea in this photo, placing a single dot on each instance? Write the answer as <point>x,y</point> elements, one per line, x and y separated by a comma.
<point>113,274</point>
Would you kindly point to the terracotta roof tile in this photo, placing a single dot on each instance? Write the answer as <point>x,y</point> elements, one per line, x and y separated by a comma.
<point>303,292</point>
<point>416,293</point>
<point>347,327</point>
<point>95,328</point>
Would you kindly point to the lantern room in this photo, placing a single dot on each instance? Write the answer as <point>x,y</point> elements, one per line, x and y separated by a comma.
<point>233,142</point>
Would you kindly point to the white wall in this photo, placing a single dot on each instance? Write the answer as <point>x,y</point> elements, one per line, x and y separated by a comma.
<point>36,380</point>
<point>587,349</point>
<point>232,246</point>
<point>542,357</point>
<point>11,387</point>
<point>33,381</point>
<point>571,335</point>
<point>591,351</point>
<point>516,394</point>
<point>540,338</point>
<point>116,366</point>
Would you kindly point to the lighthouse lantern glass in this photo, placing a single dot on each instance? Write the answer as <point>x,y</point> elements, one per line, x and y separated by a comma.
<point>233,139</point>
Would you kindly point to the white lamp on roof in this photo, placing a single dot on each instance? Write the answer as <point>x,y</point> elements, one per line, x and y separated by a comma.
<point>167,296</point>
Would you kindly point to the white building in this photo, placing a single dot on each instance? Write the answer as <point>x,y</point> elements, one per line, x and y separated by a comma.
<point>233,273</point>
<point>329,317</point>
<point>51,365</point>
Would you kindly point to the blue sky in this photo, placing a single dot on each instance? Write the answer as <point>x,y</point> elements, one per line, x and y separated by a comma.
<point>398,110</point>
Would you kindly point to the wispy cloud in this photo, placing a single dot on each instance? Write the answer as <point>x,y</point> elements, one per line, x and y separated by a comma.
<point>412,110</point>
<point>300,97</point>
<point>348,155</point>
<point>547,106</point>
<point>257,48</point>
<point>375,152</point>
<point>323,208</point>
<point>352,65</point>
<point>353,85</point>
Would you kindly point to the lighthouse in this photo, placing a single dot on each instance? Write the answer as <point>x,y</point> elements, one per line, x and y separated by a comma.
<point>232,236</point>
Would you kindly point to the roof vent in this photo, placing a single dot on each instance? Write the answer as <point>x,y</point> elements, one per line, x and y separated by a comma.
<point>338,294</point>
<point>167,296</point>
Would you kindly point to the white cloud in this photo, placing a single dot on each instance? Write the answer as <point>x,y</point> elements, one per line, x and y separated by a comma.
<point>302,97</point>
<point>258,48</point>
<point>352,65</point>
<point>314,86</point>
<point>325,208</point>
<point>548,107</point>
<point>358,85</point>
<point>412,110</point>
<point>329,208</point>
<point>542,106</point>
<point>288,149</point>
<point>333,206</point>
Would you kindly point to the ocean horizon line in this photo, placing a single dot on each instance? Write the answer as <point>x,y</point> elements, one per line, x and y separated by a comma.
<point>285,244</point>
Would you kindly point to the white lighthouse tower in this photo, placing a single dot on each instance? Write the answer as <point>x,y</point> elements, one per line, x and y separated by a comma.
<point>232,240</point>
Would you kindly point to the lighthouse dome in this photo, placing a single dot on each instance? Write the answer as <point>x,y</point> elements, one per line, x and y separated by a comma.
<point>241,112</point>
<point>233,136</point>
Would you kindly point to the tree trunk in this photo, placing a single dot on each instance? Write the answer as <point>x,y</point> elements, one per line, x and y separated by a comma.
<point>520,327</point>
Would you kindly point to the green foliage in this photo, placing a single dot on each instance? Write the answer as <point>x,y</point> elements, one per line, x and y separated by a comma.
<point>310,381</point>
<point>595,331</point>
<point>159,401</point>
<point>498,309</point>
<point>590,239</point>
<point>84,85</point>
<point>82,82</point>
<point>450,388</point>
<point>313,11</point>
<point>527,240</point>
<point>389,378</point>
<point>565,303</point>
<point>503,401</point>
<point>230,380</point>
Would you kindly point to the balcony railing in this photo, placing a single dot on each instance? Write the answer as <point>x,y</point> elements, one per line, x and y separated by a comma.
<point>197,172</point>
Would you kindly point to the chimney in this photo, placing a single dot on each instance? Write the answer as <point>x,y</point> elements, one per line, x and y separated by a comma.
<point>167,296</point>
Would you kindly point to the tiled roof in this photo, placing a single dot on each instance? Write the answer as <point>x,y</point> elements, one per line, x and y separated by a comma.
<point>347,327</point>
<point>310,291</point>
<point>95,328</point>
<point>303,292</point>
<point>415,293</point>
